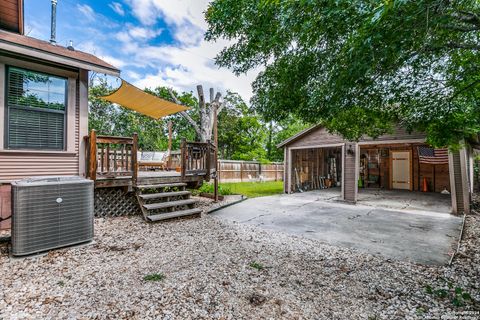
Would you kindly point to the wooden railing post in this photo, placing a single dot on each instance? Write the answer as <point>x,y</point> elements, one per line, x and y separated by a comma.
<point>92,165</point>
<point>207,159</point>
<point>134,159</point>
<point>183,164</point>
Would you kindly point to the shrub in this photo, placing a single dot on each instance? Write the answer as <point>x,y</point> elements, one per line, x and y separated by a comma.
<point>154,277</point>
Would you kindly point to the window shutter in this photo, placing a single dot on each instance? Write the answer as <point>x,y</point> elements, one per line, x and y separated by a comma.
<point>36,110</point>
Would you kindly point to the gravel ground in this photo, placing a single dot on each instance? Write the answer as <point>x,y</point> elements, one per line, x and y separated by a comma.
<point>211,269</point>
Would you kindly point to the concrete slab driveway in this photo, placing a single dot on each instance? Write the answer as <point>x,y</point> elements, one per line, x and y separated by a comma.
<point>420,236</point>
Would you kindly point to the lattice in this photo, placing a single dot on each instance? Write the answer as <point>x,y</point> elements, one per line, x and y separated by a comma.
<point>115,202</point>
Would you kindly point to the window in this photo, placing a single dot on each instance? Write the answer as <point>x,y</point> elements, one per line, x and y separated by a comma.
<point>36,109</point>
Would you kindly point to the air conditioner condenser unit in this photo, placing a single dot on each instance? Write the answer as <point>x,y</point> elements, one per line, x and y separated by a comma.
<point>51,212</point>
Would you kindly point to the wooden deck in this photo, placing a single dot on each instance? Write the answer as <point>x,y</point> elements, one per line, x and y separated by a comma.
<point>148,177</point>
<point>112,162</point>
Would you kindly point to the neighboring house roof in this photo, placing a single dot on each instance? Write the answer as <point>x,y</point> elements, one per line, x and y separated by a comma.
<point>44,50</point>
<point>297,136</point>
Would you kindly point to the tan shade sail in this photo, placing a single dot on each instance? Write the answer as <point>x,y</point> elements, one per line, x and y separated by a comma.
<point>133,98</point>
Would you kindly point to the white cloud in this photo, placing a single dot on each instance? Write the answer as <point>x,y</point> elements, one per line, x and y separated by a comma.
<point>93,48</point>
<point>87,11</point>
<point>185,68</point>
<point>118,8</point>
<point>191,11</point>
<point>190,62</point>
<point>143,33</point>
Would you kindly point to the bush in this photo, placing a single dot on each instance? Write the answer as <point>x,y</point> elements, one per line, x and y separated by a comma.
<point>208,188</point>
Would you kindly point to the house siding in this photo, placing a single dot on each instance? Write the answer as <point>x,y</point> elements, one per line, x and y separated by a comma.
<point>11,15</point>
<point>350,173</point>
<point>16,165</point>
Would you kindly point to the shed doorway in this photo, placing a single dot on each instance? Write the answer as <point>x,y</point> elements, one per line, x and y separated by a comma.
<point>316,169</point>
<point>401,170</point>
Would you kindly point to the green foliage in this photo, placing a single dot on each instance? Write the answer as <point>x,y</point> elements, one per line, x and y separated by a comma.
<point>457,295</point>
<point>256,265</point>
<point>358,67</point>
<point>241,132</point>
<point>209,188</point>
<point>255,189</point>
<point>154,277</point>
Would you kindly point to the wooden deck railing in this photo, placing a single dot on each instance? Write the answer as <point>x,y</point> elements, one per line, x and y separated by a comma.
<point>111,157</point>
<point>197,158</point>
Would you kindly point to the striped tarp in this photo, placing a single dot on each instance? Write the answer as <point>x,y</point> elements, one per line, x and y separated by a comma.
<point>429,155</point>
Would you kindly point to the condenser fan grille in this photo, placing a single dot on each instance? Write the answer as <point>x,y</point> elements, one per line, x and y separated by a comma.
<point>51,214</point>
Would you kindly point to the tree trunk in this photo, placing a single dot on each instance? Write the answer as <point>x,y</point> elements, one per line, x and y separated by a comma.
<point>204,129</point>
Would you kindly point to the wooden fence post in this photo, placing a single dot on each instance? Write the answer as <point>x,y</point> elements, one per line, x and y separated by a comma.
<point>92,166</point>
<point>241,171</point>
<point>134,159</point>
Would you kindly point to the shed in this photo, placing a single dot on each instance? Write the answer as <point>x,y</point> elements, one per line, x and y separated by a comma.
<point>317,159</point>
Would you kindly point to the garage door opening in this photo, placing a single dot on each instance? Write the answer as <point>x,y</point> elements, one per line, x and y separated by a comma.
<point>317,169</point>
<point>404,176</point>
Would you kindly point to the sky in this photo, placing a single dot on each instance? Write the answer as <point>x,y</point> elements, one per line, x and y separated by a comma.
<point>153,42</point>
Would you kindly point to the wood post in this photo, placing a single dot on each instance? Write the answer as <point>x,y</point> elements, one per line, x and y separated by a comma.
<point>183,164</point>
<point>208,161</point>
<point>169,160</point>
<point>215,139</point>
<point>92,166</point>
<point>134,159</point>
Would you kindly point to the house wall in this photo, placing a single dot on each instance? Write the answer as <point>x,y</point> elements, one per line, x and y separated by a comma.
<point>18,164</point>
<point>11,15</point>
<point>350,174</point>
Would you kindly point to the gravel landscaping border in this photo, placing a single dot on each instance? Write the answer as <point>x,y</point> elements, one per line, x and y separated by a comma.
<point>205,268</point>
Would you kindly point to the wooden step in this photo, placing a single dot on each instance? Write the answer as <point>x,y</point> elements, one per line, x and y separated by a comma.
<point>168,204</point>
<point>176,214</point>
<point>149,196</point>
<point>162,185</point>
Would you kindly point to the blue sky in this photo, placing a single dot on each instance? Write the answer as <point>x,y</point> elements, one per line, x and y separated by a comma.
<point>153,42</point>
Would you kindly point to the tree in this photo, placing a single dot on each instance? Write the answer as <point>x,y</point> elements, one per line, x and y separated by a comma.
<point>241,132</point>
<point>206,113</point>
<point>359,66</point>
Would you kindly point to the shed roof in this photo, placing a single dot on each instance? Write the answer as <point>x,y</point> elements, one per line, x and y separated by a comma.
<point>44,50</point>
<point>298,136</point>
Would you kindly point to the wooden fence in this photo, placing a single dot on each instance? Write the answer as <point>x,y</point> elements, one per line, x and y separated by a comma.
<point>244,171</point>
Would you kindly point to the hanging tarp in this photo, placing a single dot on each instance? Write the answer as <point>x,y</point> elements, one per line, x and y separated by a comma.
<point>133,98</point>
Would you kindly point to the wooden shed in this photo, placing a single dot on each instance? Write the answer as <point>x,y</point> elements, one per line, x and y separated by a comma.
<point>317,159</point>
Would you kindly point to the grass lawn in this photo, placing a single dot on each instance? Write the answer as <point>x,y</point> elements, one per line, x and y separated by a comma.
<point>254,189</point>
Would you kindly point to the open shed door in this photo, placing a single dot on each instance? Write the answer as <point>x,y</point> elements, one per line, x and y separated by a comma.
<point>401,174</point>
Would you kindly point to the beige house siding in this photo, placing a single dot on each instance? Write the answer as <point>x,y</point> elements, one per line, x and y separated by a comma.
<point>460,172</point>
<point>319,136</point>
<point>18,164</point>
<point>349,175</point>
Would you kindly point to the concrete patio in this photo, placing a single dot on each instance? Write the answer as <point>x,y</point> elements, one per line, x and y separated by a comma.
<point>397,225</point>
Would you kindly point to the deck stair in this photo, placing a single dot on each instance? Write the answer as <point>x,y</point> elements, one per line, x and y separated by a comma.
<point>165,201</point>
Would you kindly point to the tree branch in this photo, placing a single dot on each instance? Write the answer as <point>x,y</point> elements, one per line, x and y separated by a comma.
<point>468,46</point>
<point>468,17</point>
<point>184,114</point>
<point>462,28</point>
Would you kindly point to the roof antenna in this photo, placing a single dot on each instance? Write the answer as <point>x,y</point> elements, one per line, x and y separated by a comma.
<point>53,24</point>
